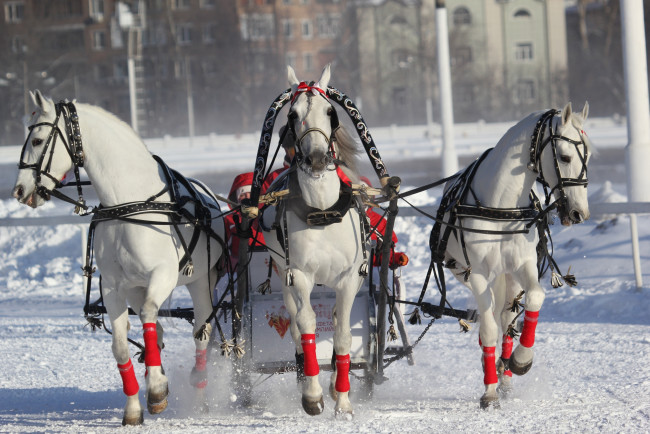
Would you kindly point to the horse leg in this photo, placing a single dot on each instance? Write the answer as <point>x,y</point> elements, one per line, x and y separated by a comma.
<point>157,383</point>
<point>342,343</point>
<point>508,314</point>
<point>117,311</point>
<point>488,332</point>
<point>522,357</point>
<point>305,318</point>
<point>200,293</point>
<point>290,304</point>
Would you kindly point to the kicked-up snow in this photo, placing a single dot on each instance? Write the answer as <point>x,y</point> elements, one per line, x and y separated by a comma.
<point>590,372</point>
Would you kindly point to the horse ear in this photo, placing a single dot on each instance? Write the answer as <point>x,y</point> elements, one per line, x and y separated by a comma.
<point>566,113</point>
<point>39,100</point>
<point>324,79</point>
<point>293,80</point>
<point>585,111</point>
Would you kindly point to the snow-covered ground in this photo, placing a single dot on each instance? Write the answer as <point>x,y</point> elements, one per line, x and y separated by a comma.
<point>590,374</point>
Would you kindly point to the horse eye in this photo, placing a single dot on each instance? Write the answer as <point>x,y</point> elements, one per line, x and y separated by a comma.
<point>565,158</point>
<point>36,142</point>
<point>293,116</point>
<point>330,111</point>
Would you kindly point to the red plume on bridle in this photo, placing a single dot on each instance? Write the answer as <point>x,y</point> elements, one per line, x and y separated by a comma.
<point>304,87</point>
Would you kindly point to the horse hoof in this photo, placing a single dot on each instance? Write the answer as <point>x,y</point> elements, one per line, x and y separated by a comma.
<point>333,393</point>
<point>520,369</point>
<point>199,379</point>
<point>313,408</point>
<point>521,360</point>
<point>136,418</point>
<point>489,401</point>
<point>157,402</point>
<point>504,388</point>
<point>341,414</point>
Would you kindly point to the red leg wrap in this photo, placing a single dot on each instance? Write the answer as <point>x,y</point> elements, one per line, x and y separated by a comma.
<point>308,342</point>
<point>129,382</point>
<point>201,360</point>
<point>506,347</point>
<point>151,351</point>
<point>527,338</point>
<point>342,373</point>
<point>489,366</point>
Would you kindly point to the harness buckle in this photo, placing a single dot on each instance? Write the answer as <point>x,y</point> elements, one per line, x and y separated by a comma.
<point>323,218</point>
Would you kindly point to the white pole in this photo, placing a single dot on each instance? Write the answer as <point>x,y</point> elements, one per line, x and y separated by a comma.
<point>134,110</point>
<point>449,159</point>
<point>637,153</point>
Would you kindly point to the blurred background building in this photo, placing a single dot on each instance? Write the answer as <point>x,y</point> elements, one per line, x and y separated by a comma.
<point>224,61</point>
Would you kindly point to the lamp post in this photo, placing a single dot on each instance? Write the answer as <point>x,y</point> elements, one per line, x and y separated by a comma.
<point>449,158</point>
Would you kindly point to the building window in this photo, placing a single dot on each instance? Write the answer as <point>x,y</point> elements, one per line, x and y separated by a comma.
<point>208,4</point>
<point>287,28</point>
<point>290,59</point>
<point>400,96</point>
<point>308,62</point>
<point>180,69</point>
<point>18,44</point>
<point>184,34</point>
<point>96,9</point>
<point>522,13</point>
<point>99,40</point>
<point>14,11</point>
<point>100,72</point>
<point>180,4</point>
<point>525,91</point>
<point>328,25</point>
<point>209,33</point>
<point>524,51</point>
<point>120,71</point>
<point>257,27</point>
<point>462,17</point>
<point>398,20</point>
<point>461,56</point>
<point>306,29</point>
<point>402,58</point>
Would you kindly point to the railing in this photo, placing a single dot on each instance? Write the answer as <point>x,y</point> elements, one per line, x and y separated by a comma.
<point>596,209</point>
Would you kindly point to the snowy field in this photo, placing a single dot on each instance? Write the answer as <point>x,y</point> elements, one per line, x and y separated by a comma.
<point>590,374</point>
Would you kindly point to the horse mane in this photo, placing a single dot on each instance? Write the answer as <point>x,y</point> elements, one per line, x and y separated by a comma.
<point>101,112</point>
<point>347,151</point>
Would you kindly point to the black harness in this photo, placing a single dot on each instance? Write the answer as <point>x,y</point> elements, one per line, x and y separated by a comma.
<point>182,208</point>
<point>454,206</point>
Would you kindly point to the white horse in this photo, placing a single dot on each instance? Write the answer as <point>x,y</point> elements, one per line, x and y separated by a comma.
<point>139,263</point>
<point>496,266</point>
<point>331,254</point>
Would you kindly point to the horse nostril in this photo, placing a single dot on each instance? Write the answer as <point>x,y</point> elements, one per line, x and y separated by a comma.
<point>18,192</point>
<point>576,216</point>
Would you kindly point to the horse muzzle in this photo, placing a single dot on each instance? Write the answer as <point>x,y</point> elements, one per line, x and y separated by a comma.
<point>317,162</point>
<point>30,199</point>
<point>573,216</point>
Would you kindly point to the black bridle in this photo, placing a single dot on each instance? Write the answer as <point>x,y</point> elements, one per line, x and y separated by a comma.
<point>311,91</point>
<point>71,141</point>
<point>539,141</point>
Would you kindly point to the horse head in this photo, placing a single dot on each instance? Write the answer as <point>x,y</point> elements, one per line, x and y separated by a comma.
<point>563,165</point>
<point>313,120</point>
<point>42,164</point>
